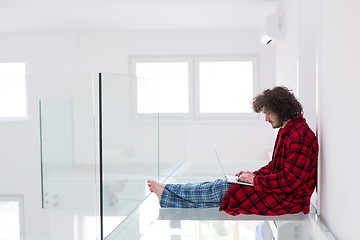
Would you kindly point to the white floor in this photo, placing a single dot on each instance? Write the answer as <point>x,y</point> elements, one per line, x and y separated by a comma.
<point>149,221</point>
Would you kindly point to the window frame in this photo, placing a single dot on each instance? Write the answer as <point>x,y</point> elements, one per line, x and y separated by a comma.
<point>22,118</point>
<point>194,97</point>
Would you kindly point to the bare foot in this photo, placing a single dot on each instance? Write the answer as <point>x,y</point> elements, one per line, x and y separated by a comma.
<point>156,187</point>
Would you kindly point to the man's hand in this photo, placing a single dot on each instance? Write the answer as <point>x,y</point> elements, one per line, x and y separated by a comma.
<point>246,176</point>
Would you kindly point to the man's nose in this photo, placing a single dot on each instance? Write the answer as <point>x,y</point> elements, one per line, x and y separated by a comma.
<point>266,118</point>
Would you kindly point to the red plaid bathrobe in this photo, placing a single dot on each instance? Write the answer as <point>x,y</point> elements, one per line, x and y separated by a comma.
<point>285,185</point>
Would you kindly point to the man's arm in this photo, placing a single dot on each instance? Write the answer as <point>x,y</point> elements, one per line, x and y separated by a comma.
<point>294,172</point>
<point>249,176</point>
<point>265,170</point>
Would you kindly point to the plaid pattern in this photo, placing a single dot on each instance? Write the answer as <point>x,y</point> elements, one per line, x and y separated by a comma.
<point>284,185</point>
<point>194,195</point>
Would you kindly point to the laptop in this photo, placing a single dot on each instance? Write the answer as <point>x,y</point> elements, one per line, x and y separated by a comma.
<point>230,178</point>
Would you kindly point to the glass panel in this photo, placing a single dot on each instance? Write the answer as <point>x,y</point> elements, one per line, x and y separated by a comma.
<point>172,147</point>
<point>225,87</point>
<point>68,153</point>
<point>129,151</point>
<point>162,87</point>
<point>57,137</point>
<point>172,141</point>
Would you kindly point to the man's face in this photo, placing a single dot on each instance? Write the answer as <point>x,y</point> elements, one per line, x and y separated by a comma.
<point>273,119</point>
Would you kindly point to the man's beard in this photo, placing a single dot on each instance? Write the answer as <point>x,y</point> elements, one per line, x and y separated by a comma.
<point>277,124</point>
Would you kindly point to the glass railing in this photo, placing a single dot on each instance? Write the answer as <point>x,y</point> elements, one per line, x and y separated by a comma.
<point>131,149</point>
<point>69,162</point>
<point>97,151</point>
<point>127,147</point>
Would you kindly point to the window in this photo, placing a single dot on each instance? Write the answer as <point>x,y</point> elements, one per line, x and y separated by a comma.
<point>12,91</point>
<point>225,87</point>
<point>195,87</point>
<point>162,87</point>
<point>11,217</point>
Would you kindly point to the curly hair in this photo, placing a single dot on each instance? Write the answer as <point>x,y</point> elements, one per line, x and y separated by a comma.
<point>278,100</point>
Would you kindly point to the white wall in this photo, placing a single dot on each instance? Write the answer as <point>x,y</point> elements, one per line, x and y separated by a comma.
<point>296,55</point>
<point>321,47</point>
<point>287,50</point>
<point>339,117</point>
<point>307,63</point>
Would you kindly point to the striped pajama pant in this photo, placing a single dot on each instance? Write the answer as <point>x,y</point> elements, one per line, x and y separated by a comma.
<point>194,195</point>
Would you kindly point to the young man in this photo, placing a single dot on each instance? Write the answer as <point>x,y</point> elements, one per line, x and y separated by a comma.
<point>283,186</point>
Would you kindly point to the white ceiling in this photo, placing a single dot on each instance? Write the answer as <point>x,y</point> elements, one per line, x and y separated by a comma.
<point>117,15</point>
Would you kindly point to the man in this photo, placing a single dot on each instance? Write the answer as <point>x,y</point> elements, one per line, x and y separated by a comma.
<point>283,186</point>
